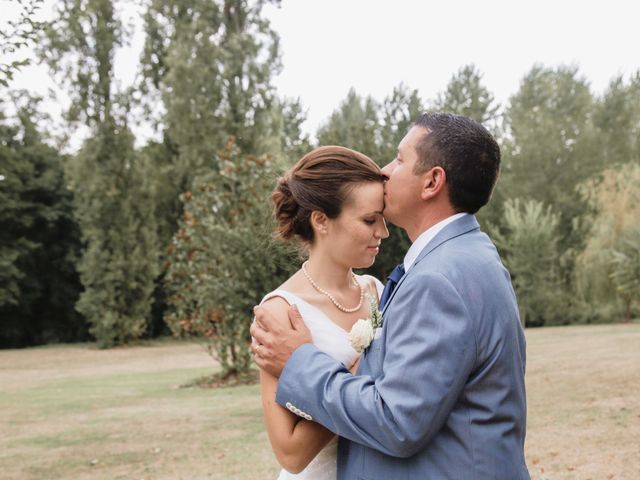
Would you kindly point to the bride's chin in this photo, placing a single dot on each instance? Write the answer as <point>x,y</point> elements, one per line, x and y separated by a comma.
<point>367,263</point>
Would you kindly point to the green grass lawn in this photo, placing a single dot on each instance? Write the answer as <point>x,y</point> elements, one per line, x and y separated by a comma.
<point>92,424</point>
<point>74,412</point>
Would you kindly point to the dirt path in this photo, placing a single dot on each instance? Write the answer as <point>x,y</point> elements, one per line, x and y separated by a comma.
<point>25,368</point>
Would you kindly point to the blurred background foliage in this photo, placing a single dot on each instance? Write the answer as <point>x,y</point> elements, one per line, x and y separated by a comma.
<point>116,243</point>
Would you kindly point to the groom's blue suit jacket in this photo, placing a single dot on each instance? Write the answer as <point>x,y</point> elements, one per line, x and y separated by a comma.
<point>440,394</point>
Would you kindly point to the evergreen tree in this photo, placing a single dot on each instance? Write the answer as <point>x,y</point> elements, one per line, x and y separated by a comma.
<point>397,113</point>
<point>354,124</point>
<point>113,198</point>
<point>549,150</point>
<point>289,116</point>
<point>465,95</point>
<point>529,245</point>
<point>114,206</point>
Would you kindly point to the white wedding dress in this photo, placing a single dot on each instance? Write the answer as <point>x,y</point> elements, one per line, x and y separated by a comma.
<point>332,339</point>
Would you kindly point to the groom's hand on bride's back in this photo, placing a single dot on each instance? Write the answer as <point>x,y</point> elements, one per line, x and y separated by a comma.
<point>274,340</point>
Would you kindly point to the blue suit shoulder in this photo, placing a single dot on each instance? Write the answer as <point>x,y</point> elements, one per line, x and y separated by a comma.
<point>470,254</point>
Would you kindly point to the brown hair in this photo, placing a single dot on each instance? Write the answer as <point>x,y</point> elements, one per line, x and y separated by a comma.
<point>321,180</point>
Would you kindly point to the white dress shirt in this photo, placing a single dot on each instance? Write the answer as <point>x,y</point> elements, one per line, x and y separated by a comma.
<point>425,237</point>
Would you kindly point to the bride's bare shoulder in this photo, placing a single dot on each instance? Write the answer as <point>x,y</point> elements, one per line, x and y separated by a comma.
<point>277,305</point>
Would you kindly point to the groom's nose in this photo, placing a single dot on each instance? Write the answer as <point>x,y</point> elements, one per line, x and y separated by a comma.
<point>386,170</point>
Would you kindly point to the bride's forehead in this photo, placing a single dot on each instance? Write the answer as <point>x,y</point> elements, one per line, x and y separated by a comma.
<point>366,196</point>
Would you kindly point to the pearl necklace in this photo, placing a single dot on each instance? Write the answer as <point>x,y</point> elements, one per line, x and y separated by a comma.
<point>331,297</point>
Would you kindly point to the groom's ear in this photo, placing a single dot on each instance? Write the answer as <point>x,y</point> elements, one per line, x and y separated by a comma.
<point>319,222</point>
<point>434,182</point>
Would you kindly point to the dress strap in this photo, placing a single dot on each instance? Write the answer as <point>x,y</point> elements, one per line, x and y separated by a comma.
<point>378,285</point>
<point>288,297</point>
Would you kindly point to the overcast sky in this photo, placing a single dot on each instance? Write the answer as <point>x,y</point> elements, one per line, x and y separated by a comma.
<point>329,46</point>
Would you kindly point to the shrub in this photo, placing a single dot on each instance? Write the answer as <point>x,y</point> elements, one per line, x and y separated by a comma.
<point>223,258</point>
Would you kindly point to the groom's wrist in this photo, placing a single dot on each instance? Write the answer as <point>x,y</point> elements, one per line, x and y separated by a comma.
<point>296,359</point>
<point>289,381</point>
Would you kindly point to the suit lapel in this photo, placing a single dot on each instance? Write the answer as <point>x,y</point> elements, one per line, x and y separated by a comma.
<point>456,228</point>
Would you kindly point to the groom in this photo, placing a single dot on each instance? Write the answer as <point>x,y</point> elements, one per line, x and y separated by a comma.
<point>440,393</point>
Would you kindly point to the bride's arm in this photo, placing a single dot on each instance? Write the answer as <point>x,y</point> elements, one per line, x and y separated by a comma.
<point>294,441</point>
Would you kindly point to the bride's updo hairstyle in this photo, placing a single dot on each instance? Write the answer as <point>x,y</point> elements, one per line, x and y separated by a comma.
<point>322,181</point>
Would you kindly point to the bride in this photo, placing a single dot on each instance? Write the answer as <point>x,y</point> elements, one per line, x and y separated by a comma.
<point>331,201</point>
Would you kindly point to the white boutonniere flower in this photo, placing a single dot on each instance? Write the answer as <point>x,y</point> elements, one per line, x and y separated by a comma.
<point>364,330</point>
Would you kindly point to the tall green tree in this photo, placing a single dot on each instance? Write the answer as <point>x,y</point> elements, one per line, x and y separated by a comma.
<point>549,150</point>
<point>212,62</point>
<point>397,113</point>
<point>39,238</point>
<point>114,206</point>
<point>210,65</point>
<point>79,46</point>
<point>289,115</point>
<point>354,124</point>
<point>617,122</point>
<point>113,197</point>
<point>466,95</point>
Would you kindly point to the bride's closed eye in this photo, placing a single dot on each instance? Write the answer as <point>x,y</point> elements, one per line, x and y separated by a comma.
<point>369,221</point>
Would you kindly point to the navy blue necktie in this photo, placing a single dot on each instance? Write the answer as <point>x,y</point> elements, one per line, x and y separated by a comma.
<point>392,281</point>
